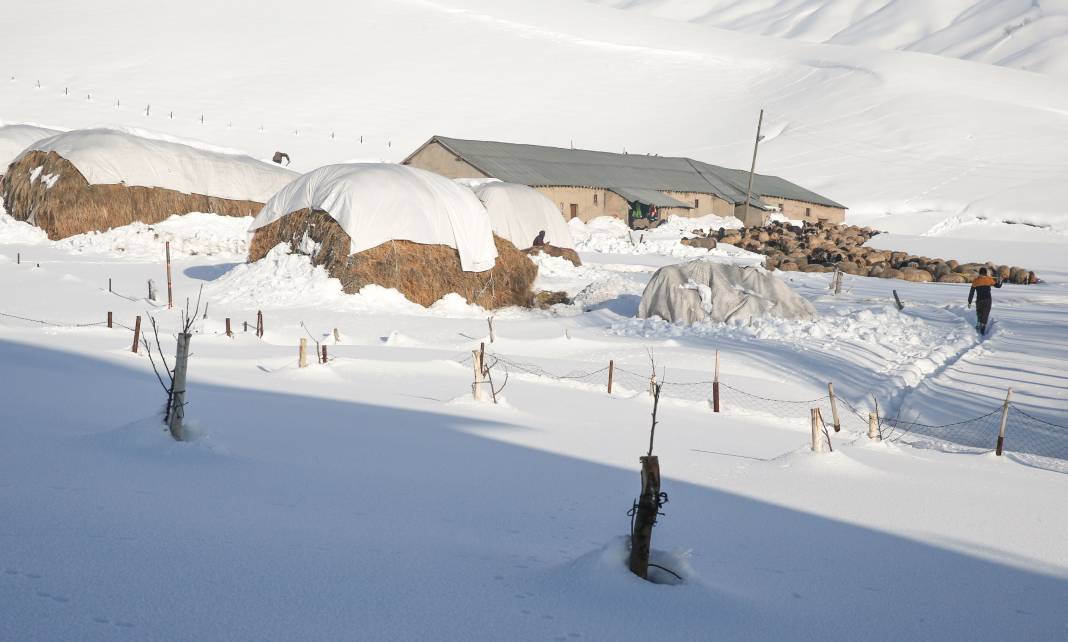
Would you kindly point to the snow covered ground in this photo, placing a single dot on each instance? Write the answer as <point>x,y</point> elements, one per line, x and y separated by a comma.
<point>371,497</point>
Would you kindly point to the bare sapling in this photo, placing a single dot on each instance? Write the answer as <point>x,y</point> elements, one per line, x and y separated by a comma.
<point>647,508</point>
<point>175,384</point>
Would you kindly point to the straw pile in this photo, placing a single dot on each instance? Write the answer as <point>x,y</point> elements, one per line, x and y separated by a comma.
<point>423,273</point>
<point>552,250</point>
<point>72,206</point>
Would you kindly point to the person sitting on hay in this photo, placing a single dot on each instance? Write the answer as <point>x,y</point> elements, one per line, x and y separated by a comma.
<point>539,240</point>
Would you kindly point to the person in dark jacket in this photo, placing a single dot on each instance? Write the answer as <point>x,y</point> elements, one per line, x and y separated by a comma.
<point>981,292</point>
<point>539,240</point>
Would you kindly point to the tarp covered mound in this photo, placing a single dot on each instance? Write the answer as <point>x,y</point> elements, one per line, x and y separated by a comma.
<point>705,291</point>
<point>518,213</point>
<point>15,138</point>
<point>377,202</point>
<point>112,157</point>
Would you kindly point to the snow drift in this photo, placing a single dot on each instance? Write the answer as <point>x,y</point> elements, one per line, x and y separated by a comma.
<point>15,138</point>
<point>701,291</point>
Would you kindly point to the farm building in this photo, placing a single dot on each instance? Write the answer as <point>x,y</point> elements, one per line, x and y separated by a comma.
<point>96,179</point>
<point>585,184</point>
<point>397,227</point>
<point>528,219</point>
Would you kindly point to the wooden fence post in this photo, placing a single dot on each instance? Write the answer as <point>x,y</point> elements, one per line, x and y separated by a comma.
<point>181,364</point>
<point>324,354</point>
<point>303,360</point>
<point>109,318</point>
<point>151,290</point>
<point>611,372</point>
<point>897,301</point>
<point>170,284</point>
<point>489,321</point>
<point>641,537</point>
<point>476,362</point>
<point>817,434</point>
<point>715,386</point>
<point>109,285</point>
<point>229,332</point>
<point>1004,421</point>
<point>834,408</point>
<point>873,425</point>
<point>259,323</point>
<point>137,334</point>
<point>337,336</point>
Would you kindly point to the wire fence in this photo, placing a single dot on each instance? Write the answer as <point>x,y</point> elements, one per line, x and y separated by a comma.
<point>1026,433</point>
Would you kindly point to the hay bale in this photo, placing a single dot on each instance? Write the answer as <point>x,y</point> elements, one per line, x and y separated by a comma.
<point>562,252</point>
<point>916,275</point>
<point>423,273</point>
<point>952,277</point>
<point>70,205</point>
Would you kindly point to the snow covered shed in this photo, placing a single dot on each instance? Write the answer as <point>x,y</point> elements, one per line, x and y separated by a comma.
<point>521,214</point>
<point>95,179</point>
<point>397,227</point>
<point>701,290</point>
<point>15,138</point>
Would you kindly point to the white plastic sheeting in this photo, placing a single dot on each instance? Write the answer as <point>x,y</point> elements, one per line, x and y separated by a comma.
<point>108,157</point>
<point>377,202</point>
<point>701,291</point>
<point>15,138</point>
<point>518,213</point>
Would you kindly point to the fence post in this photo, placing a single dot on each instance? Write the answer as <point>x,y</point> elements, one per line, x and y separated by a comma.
<point>259,323</point>
<point>489,321</point>
<point>476,362</point>
<point>151,290</point>
<point>1004,420</point>
<point>715,386</point>
<point>834,408</point>
<point>337,336</point>
<point>170,284</point>
<point>873,425</point>
<point>137,334</point>
<point>109,318</point>
<point>817,436</point>
<point>229,332</point>
<point>303,360</point>
<point>205,310</point>
<point>897,301</point>
<point>177,410</point>
<point>611,372</point>
<point>324,354</point>
<point>109,285</point>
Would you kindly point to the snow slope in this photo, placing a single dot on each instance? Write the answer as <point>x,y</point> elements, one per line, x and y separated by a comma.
<point>1023,34</point>
<point>15,138</point>
<point>884,132</point>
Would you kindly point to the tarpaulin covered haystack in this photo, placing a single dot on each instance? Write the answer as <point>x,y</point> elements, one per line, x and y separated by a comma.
<point>397,227</point>
<point>520,214</point>
<point>701,291</point>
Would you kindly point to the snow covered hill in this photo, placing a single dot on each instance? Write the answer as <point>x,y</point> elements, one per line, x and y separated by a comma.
<point>920,138</point>
<point>1023,34</point>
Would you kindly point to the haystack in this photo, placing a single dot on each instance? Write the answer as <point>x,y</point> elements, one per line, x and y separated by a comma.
<point>397,227</point>
<point>701,291</point>
<point>98,179</point>
<point>519,214</point>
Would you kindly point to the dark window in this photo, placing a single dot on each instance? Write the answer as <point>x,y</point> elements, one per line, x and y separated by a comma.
<point>808,211</point>
<point>697,202</point>
<point>595,198</point>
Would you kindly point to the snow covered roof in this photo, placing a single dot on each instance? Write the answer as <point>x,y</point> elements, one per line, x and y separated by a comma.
<point>378,202</point>
<point>518,213</point>
<point>108,157</point>
<point>538,165</point>
<point>15,138</point>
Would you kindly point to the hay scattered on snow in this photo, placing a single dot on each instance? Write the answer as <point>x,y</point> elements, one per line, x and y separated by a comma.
<point>562,252</point>
<point>66,204</point>
<point>422,273</point>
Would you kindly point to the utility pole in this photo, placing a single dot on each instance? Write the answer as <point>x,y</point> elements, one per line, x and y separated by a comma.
<point>752,167</point>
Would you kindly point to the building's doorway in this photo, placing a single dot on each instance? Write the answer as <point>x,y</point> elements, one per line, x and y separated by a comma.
<point>574,210</point>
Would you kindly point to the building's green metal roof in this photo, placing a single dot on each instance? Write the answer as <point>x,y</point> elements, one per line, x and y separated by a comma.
<point>537,165</point>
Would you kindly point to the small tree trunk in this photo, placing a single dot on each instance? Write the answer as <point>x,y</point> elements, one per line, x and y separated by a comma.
<point>641,538</point>
<point>177,409</point>
<point>873,425</point>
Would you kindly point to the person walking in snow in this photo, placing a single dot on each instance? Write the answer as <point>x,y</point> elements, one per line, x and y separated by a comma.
<point>981,291</point>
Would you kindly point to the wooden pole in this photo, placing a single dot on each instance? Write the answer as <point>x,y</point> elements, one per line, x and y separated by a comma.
<point>109,318</point>
<point>817,437</point>
<point>873,425</point>
<point>181,365</point>
<point>715,386</point>
<point>137,334</point>
<point>246,325</point>
<point>476,363</point>
<point>897,301</point>
<point>259,323</point>
<point>229,332</point>
<point>834,408</point>
<point>641,537</point>
<point>337,336</point>
<point>205,310</point>
<point>151,290</point>
<point>324,354</point>
<point>303,361</point>
<point>170,284</point>
<point>611,372</point>
<point>109,284</point>
<point>490,322</point>
<point>752,168</point>
<point>1004,421</point>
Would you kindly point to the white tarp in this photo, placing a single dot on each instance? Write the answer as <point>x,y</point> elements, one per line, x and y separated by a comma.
<point>110,157</point>
<point>518,213</point>
<point>377,202</point>
<point>15,138</point>
<point>705,291</point>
